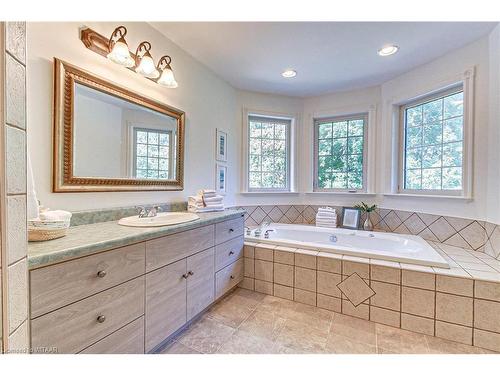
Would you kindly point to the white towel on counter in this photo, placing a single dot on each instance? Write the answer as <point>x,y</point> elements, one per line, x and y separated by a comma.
<point>205,209</point>
<point>55,215</point>
<point>326,217</point>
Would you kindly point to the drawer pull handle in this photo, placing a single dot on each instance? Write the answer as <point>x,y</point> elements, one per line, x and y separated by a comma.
<point>231,230</point>
<point>190,273</point>
<point>231,253</point>
<point>101,274</point>
<point>101,318</point>
<point>232,277</point>
<point>185,276</point>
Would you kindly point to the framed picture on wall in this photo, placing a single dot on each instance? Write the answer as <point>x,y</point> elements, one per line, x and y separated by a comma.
<point>220,178</point>
<point>221,145</point>
<point>350,217</point>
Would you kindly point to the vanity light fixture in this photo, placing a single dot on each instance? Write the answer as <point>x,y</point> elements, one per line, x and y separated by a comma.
<point>118,47</point>
<point>144,61</point>
<point>388,50</point>
<point>289,73</point>
<point>167,78</point>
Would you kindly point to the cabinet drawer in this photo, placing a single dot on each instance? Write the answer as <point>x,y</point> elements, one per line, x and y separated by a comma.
<point>165,302</point>
<point>229,229</point>
<point>127,340</point>
<point>61,284</point>
<point>227,252</point>
<point>169,249</point>
<point>228,277</point>
<point>200,282</point>
<point>75,327</point>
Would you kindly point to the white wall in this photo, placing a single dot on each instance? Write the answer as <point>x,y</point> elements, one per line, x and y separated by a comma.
<point>493,194</point>
<point>208,101</point>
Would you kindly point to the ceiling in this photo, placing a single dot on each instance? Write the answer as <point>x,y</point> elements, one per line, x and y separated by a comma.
<point>328,56</point>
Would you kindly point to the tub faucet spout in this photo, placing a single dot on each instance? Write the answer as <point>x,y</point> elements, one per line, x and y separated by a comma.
<point>333,238</point>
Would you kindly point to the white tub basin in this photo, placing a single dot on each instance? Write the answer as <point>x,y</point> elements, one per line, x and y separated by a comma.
<point>161,219</point>
<point>376,245</point>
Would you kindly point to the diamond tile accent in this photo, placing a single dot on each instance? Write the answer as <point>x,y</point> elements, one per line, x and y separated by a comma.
<point>402,229</point>
<point>474,235</point>
<point>457,240</point>
<point>292,214</point>
<point>392,220</point>
<point>415,224</point>
<point>356,289</point>
<point>258,215</point>
<point>275,214</point>
<point>442,229</point>
<point>428,219</point>
<point>403,215</point>
<point>458,223</point>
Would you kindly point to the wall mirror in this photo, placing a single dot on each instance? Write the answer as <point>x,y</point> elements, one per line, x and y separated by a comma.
<point>108,138</point>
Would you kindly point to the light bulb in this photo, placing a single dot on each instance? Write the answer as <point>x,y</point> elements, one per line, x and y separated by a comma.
<point>147,67</point>
<point>167,78</point>
<point>388,50</point>
<point>121,55</point>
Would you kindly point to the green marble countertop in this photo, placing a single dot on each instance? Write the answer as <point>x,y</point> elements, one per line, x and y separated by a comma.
<point>93,238</point>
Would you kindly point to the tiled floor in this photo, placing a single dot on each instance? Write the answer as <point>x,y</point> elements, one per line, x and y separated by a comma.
<point>246,322</point>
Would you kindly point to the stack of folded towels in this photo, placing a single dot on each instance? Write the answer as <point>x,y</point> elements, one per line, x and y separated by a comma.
<point>326,217</point>
<point>205,201</point>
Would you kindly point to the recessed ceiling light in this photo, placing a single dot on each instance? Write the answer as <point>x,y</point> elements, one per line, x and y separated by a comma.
<point>289,73</point>
<point>388,50</point>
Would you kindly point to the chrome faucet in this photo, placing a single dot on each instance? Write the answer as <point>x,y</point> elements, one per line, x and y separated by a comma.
<point>266,233</point>
<point>333,238</point>
<point>248,231</point>
<point>259,230</point>
<point>151,212</point>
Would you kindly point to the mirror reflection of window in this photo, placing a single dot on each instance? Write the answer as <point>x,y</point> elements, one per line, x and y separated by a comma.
<point>152,153</point>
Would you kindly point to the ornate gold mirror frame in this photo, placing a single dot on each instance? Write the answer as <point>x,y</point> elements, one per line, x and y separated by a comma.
<point>65,77</point>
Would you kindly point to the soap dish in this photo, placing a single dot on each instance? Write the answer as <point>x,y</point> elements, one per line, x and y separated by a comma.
<point>37,235</point>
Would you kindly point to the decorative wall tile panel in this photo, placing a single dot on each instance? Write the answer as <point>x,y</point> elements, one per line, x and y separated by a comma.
<point>356,289</point>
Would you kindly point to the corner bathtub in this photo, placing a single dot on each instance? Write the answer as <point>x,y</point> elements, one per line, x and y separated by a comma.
<point>376,245</point>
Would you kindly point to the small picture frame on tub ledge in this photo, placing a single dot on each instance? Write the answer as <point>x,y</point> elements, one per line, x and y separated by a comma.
<point>220,178</point>
<point>351,217</point>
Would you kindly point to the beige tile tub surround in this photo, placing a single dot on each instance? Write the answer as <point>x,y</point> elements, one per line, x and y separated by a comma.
<point>456,304</point>
<point>13,266</point>
<point>455,231</point>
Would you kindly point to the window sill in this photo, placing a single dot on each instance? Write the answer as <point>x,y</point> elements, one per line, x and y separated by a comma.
<point>453,197</point>
<point>269,193</point>
<point>346,193</point>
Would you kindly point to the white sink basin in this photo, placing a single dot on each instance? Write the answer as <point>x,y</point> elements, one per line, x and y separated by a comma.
<point>162,219</point>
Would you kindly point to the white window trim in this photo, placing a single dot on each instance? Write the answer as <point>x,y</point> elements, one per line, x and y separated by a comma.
<point>370,137</point>
<point>466,79</point>
<point>292,170</point>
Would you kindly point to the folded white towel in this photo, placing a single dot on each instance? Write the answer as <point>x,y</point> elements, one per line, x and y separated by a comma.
<point>319,221</point>
<point>326,214</point>
<point>322,209</point>
<point>326,225</point>
<point>199,198</point>
<point>55,215</point>
<point>205,209</point>
<point>207,193</point>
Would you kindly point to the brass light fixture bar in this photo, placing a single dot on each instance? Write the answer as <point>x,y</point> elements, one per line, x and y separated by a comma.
<point>104,47</point>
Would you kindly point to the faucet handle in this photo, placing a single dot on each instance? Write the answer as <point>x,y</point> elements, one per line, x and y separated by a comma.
<point>248,231</point>
<point>141,211</point>
<point>266,233</point>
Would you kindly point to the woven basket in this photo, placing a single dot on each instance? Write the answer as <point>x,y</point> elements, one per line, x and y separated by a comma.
<point>36,235</point>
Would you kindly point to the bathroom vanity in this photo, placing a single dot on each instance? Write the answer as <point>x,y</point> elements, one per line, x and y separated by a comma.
<point>111,289</point>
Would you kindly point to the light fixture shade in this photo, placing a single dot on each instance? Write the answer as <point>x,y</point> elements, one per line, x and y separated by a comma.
<point>167,78</point>
<point>147,67</point>
<point>120,54</point>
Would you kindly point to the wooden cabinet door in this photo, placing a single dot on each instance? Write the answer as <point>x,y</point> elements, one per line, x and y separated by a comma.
<point>165,302</point>
<point>200,282</point>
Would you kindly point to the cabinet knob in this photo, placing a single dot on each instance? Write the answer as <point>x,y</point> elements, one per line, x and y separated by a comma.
<point>101,318</point>
<point>185,276</point>
<point>232,277</point>
<point>190,273</point>
<point>231,252</point>
<point>101,274</point>
<point>231,230</point>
